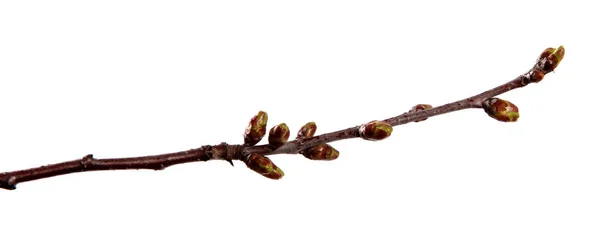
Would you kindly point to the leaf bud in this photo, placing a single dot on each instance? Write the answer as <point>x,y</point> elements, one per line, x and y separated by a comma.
<point>420,107</point>
<point>536,75</point>
<point>278,135</point>
<point>550,58</point>
<point>263,165</point>
<point>501,110</point>
<point>257,128</point>
<point>321,152</point>
<point>375,130</point>
<point>307,131</point>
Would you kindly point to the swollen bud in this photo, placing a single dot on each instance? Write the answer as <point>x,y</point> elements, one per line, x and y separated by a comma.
<point>257,128</point>
<point>420,107</point>
<point>536,75</point>
<point>307,131</point>
<point>501,110</point>
<point>375,130</point>
<point>263,165</point>
<point>550,58</point>
<point>278,135</point>
<point>321,152</point>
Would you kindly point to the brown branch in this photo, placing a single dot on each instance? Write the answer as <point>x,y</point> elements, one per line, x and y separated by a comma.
<point>546,63</point>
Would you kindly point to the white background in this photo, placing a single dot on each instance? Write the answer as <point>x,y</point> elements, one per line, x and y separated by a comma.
<point>130,78</point>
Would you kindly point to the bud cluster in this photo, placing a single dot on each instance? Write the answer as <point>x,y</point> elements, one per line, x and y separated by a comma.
<point>318,152</point>
<point>278,136</point>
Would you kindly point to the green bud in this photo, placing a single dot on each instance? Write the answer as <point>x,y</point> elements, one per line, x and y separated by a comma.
<point>375,130</point>
<point>263,165</point>
<point>550,58</point>
<point>420,107</point>
<point>321,152</point>
<point>278,135</point>
<point>501,110</point>
<point>257,128</point>
<point>307,131</point>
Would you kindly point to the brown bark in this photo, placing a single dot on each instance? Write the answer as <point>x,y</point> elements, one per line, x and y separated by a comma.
<point>546,63</point>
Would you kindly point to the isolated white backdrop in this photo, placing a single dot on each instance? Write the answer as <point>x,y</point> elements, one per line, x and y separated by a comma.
<point>131,78</point>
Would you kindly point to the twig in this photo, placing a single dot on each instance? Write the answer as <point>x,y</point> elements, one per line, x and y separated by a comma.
<point>311,147</point>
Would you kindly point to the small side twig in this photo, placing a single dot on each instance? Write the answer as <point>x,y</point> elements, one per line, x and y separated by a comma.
<point>311,147</point>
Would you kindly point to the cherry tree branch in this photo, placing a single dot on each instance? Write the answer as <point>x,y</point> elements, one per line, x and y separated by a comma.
<point>311,147</point>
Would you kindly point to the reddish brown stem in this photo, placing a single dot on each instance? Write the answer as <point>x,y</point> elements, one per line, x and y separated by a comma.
<point>223,151</point>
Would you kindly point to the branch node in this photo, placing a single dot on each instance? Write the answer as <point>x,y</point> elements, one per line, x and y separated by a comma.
<point>525,80</point>
<point>86,160</point>
<point>208,150</point>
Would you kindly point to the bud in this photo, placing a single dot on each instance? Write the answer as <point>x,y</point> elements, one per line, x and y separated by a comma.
<point>550,58</point>
<point>536,75</point>
<point>420,107</point>
<point>375,130</point>
<point>501,110</point>
<point>321,152</point>
<point>257,128</point>
<point>307,131</point>
<point>278,135</point>
<point>263,165</point>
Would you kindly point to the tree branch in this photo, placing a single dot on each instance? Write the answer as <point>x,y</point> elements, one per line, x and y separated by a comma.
<point>496,108</point>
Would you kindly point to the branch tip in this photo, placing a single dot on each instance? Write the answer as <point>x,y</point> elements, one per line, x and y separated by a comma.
<point>550,58</point>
